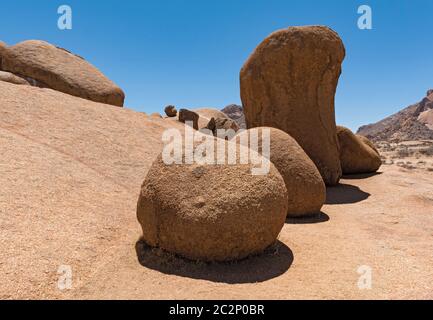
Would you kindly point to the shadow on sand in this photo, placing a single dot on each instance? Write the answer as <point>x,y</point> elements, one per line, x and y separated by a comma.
<point>361,176</point>
<point>320,217</point>
<point>345,194</point>
<point>274,262</point>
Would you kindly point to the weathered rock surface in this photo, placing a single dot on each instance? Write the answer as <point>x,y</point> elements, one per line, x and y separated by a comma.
<point>368,142</point>
<point>224,124</point>
<point>60,70</point>
<point>289,83</point>
<point>356,156</point>
<point>189,116</point>
<point>70,176</point>
<point>211,212</point>
<point>10,77</point>
<point>206,114</point>
<point>305,187</point>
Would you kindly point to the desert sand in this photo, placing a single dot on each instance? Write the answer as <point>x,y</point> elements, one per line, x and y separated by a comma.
<point>70,176</point>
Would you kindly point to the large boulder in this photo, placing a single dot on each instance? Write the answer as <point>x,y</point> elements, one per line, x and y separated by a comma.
<point>211,212</point>
<point>289,83</point>
<point>305,187</point>
<point>10,77</point>
<point>356,156</point>
<point>61,70</point>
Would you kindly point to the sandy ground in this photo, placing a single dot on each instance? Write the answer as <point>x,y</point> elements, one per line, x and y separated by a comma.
<point>70,174</point>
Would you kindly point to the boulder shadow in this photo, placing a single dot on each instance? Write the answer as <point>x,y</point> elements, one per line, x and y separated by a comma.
<point>320,217</point>
<point>275,261</point>
<point>345,194</point>
<point>361,176</point>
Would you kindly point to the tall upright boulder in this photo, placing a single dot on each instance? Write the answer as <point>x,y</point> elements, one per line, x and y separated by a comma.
<point>289,83</point>
<point>61,70</point>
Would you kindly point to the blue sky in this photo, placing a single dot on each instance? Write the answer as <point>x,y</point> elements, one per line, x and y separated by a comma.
<point>189,52</point>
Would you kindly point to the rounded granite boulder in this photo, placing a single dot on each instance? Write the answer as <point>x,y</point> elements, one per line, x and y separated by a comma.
<point>305,187</point>
<point>211,212</point>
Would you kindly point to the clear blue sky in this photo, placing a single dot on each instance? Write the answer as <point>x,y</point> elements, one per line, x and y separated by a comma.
<point>189,52</point>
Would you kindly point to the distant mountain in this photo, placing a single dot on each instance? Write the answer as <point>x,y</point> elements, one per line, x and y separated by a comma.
<point>236,112</point>
<point>412,123</point>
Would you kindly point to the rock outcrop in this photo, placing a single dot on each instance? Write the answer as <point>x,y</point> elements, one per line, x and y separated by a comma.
<point>222,124</point>
<point>206,114</point>
<point>60,70</point>
<point>211,212</point>
<point>356,156</point>
<point>305,187</point>
<point>289,83</point>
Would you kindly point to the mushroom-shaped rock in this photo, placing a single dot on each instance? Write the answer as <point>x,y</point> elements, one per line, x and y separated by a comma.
<point>10,77</point>
<point>61,70</point>
<point>211,212</point>
<point>289,83</point>
<point>170,111</point>
<point>186,115</point>
<point>305,187</point>
<point>222,125</point>
<point>356,156</point>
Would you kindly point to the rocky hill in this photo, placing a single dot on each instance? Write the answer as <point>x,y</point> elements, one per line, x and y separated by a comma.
<point>236,113</point>
<point>412,123</point>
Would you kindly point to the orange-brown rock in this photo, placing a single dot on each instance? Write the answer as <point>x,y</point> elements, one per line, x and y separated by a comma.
<point>289,83</point>
<point>368,142</point>
<point>211,212</point>
<point>356,156</point>
<point>305,187</point>
<point>186,116</point>
<point>61,70</point>
<point>170,111</point>
<point>10,77</point>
